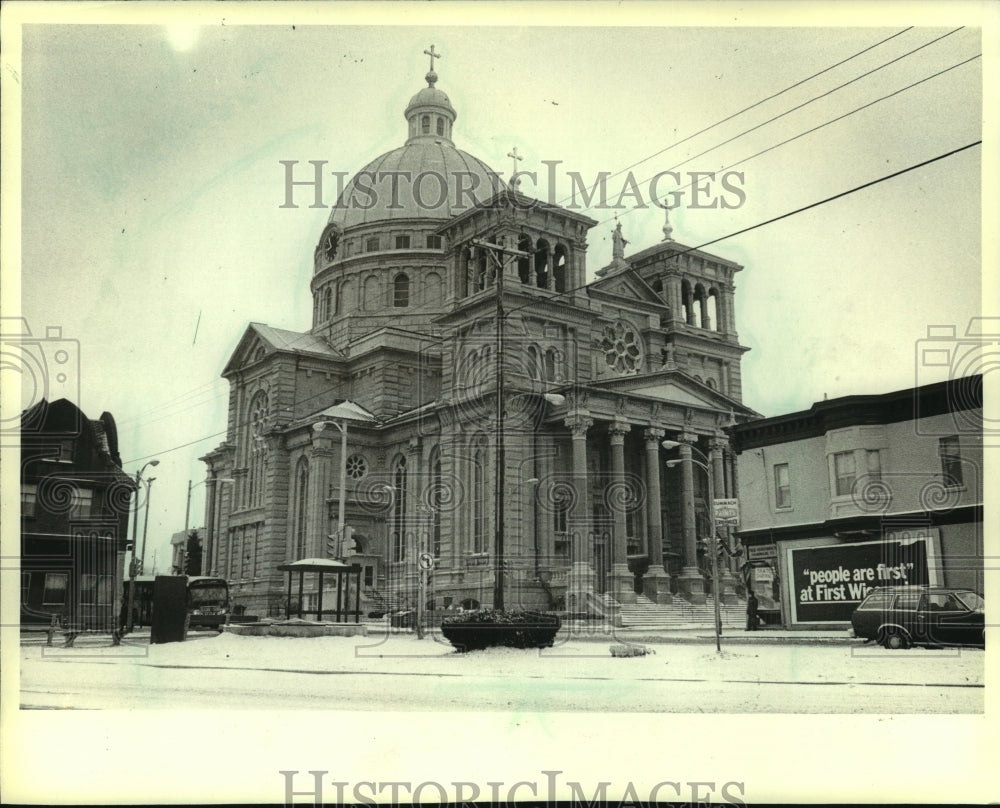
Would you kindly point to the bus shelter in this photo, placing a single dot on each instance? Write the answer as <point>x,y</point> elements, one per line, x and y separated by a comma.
<point>324,566</point>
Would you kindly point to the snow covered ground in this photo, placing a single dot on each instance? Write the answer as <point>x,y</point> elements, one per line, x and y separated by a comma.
<point>402,672</point>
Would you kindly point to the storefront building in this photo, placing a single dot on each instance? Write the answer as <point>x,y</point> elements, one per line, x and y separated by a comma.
<point>859,492</point>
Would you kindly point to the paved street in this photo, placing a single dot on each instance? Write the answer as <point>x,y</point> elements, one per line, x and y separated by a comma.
<point>402,673</point>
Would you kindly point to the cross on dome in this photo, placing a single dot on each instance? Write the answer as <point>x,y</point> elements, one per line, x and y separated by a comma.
<point>515,158</point>
<point>431,75</point>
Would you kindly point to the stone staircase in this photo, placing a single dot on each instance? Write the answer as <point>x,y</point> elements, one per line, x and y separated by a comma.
<point>680,614</point>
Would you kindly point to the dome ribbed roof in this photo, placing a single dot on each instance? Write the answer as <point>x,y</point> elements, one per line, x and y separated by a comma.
<point>425,178</point>
<point>426,167</point>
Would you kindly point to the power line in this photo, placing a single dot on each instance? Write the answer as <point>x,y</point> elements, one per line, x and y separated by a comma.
<point>758,103</point>
<point>826,123</point>
<point>775,219</point>
<point>805,104</point>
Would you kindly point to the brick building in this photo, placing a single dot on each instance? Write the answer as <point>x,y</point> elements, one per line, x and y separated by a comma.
<point>860,491</point>
<point>74,517</point>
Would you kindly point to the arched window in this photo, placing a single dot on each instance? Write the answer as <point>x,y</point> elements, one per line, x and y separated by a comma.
<point>479,501</point>
<point>713,309</point>
<point>524,261</point>
<point>560,269</point>
<point>542,264</point>
<point>401,291</point>
<point>551,355</point>
<point>399,510</point>
<point>301,505</point>
<point>440,125</point>
<point>327,308</point>
<point>256,422</point>
<point>435,502</point>
<point>534,363</point>
<point>700,307</point>
<point>425,125</point>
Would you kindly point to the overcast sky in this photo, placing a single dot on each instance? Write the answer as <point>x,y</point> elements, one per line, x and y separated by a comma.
<point>151,231</point>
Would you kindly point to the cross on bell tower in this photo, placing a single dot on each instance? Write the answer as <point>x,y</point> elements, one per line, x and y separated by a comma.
<point>515,159</point>
<point>431,75</point>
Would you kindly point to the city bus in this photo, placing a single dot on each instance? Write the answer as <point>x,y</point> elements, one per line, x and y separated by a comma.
<point>207,601</point>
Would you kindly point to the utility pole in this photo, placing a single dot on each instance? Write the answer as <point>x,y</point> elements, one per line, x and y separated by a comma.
<point>493,251</point>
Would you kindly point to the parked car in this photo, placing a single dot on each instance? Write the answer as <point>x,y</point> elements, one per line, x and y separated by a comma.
<point>901,616</point>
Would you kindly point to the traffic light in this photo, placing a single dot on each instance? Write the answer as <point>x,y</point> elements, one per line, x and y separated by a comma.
<point>348,547</point>
<point>331,545</point>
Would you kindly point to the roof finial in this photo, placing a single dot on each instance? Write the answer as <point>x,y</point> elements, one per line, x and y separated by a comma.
<point>667,229</point>
<point>431,76</point>
<point>514,180</point>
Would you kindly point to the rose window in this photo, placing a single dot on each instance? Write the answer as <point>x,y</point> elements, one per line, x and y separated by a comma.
<point>622,348</point>
<point>357,467</point>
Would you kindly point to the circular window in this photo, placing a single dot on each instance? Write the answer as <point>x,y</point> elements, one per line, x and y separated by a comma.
<point>622,348</point>
<point>357,467</point>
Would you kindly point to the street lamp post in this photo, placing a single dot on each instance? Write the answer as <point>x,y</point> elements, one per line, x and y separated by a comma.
<point>135,539</point>
<point>145,525</point>
<point>707,468</point>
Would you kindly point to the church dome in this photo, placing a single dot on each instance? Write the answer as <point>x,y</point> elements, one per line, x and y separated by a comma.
<point>426,178</point>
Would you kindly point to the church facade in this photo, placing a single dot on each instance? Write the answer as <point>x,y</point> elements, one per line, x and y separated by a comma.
<point>462,387</point>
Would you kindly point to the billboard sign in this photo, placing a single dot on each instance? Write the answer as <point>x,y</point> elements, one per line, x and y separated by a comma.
<point>827,583</point>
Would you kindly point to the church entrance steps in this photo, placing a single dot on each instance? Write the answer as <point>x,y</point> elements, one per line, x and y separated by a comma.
<point>679,614</point>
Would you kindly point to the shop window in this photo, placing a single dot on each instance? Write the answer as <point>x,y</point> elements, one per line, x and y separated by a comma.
<point>25,586</point>
<point>844,473</point>
<point>55,589</point>
<point>782,488</point>
<point>402,242</point>
<point>951,461</point>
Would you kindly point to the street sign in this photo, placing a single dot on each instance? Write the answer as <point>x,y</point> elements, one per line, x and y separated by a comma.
<point>727,512</point>
<point>761,552</point>
<point>425,561</point>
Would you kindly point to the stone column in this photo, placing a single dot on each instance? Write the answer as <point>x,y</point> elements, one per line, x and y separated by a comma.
<point>689,581</point>
<point>581,575</point>
<point>727,591</point>
<point>320,465</point>
<point>656,582</point>
<point>729,308</point>
<point>673,285</point>
<point>622,581</point>
<point>211,561</point>
<point>706,321</point>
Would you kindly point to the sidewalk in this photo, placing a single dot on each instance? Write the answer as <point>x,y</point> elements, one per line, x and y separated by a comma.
<point>704,634</point>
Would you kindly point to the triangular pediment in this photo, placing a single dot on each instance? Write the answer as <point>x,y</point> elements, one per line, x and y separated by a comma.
<point>626,284</point>
<point>260,340</point>
<point>676,387</point>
